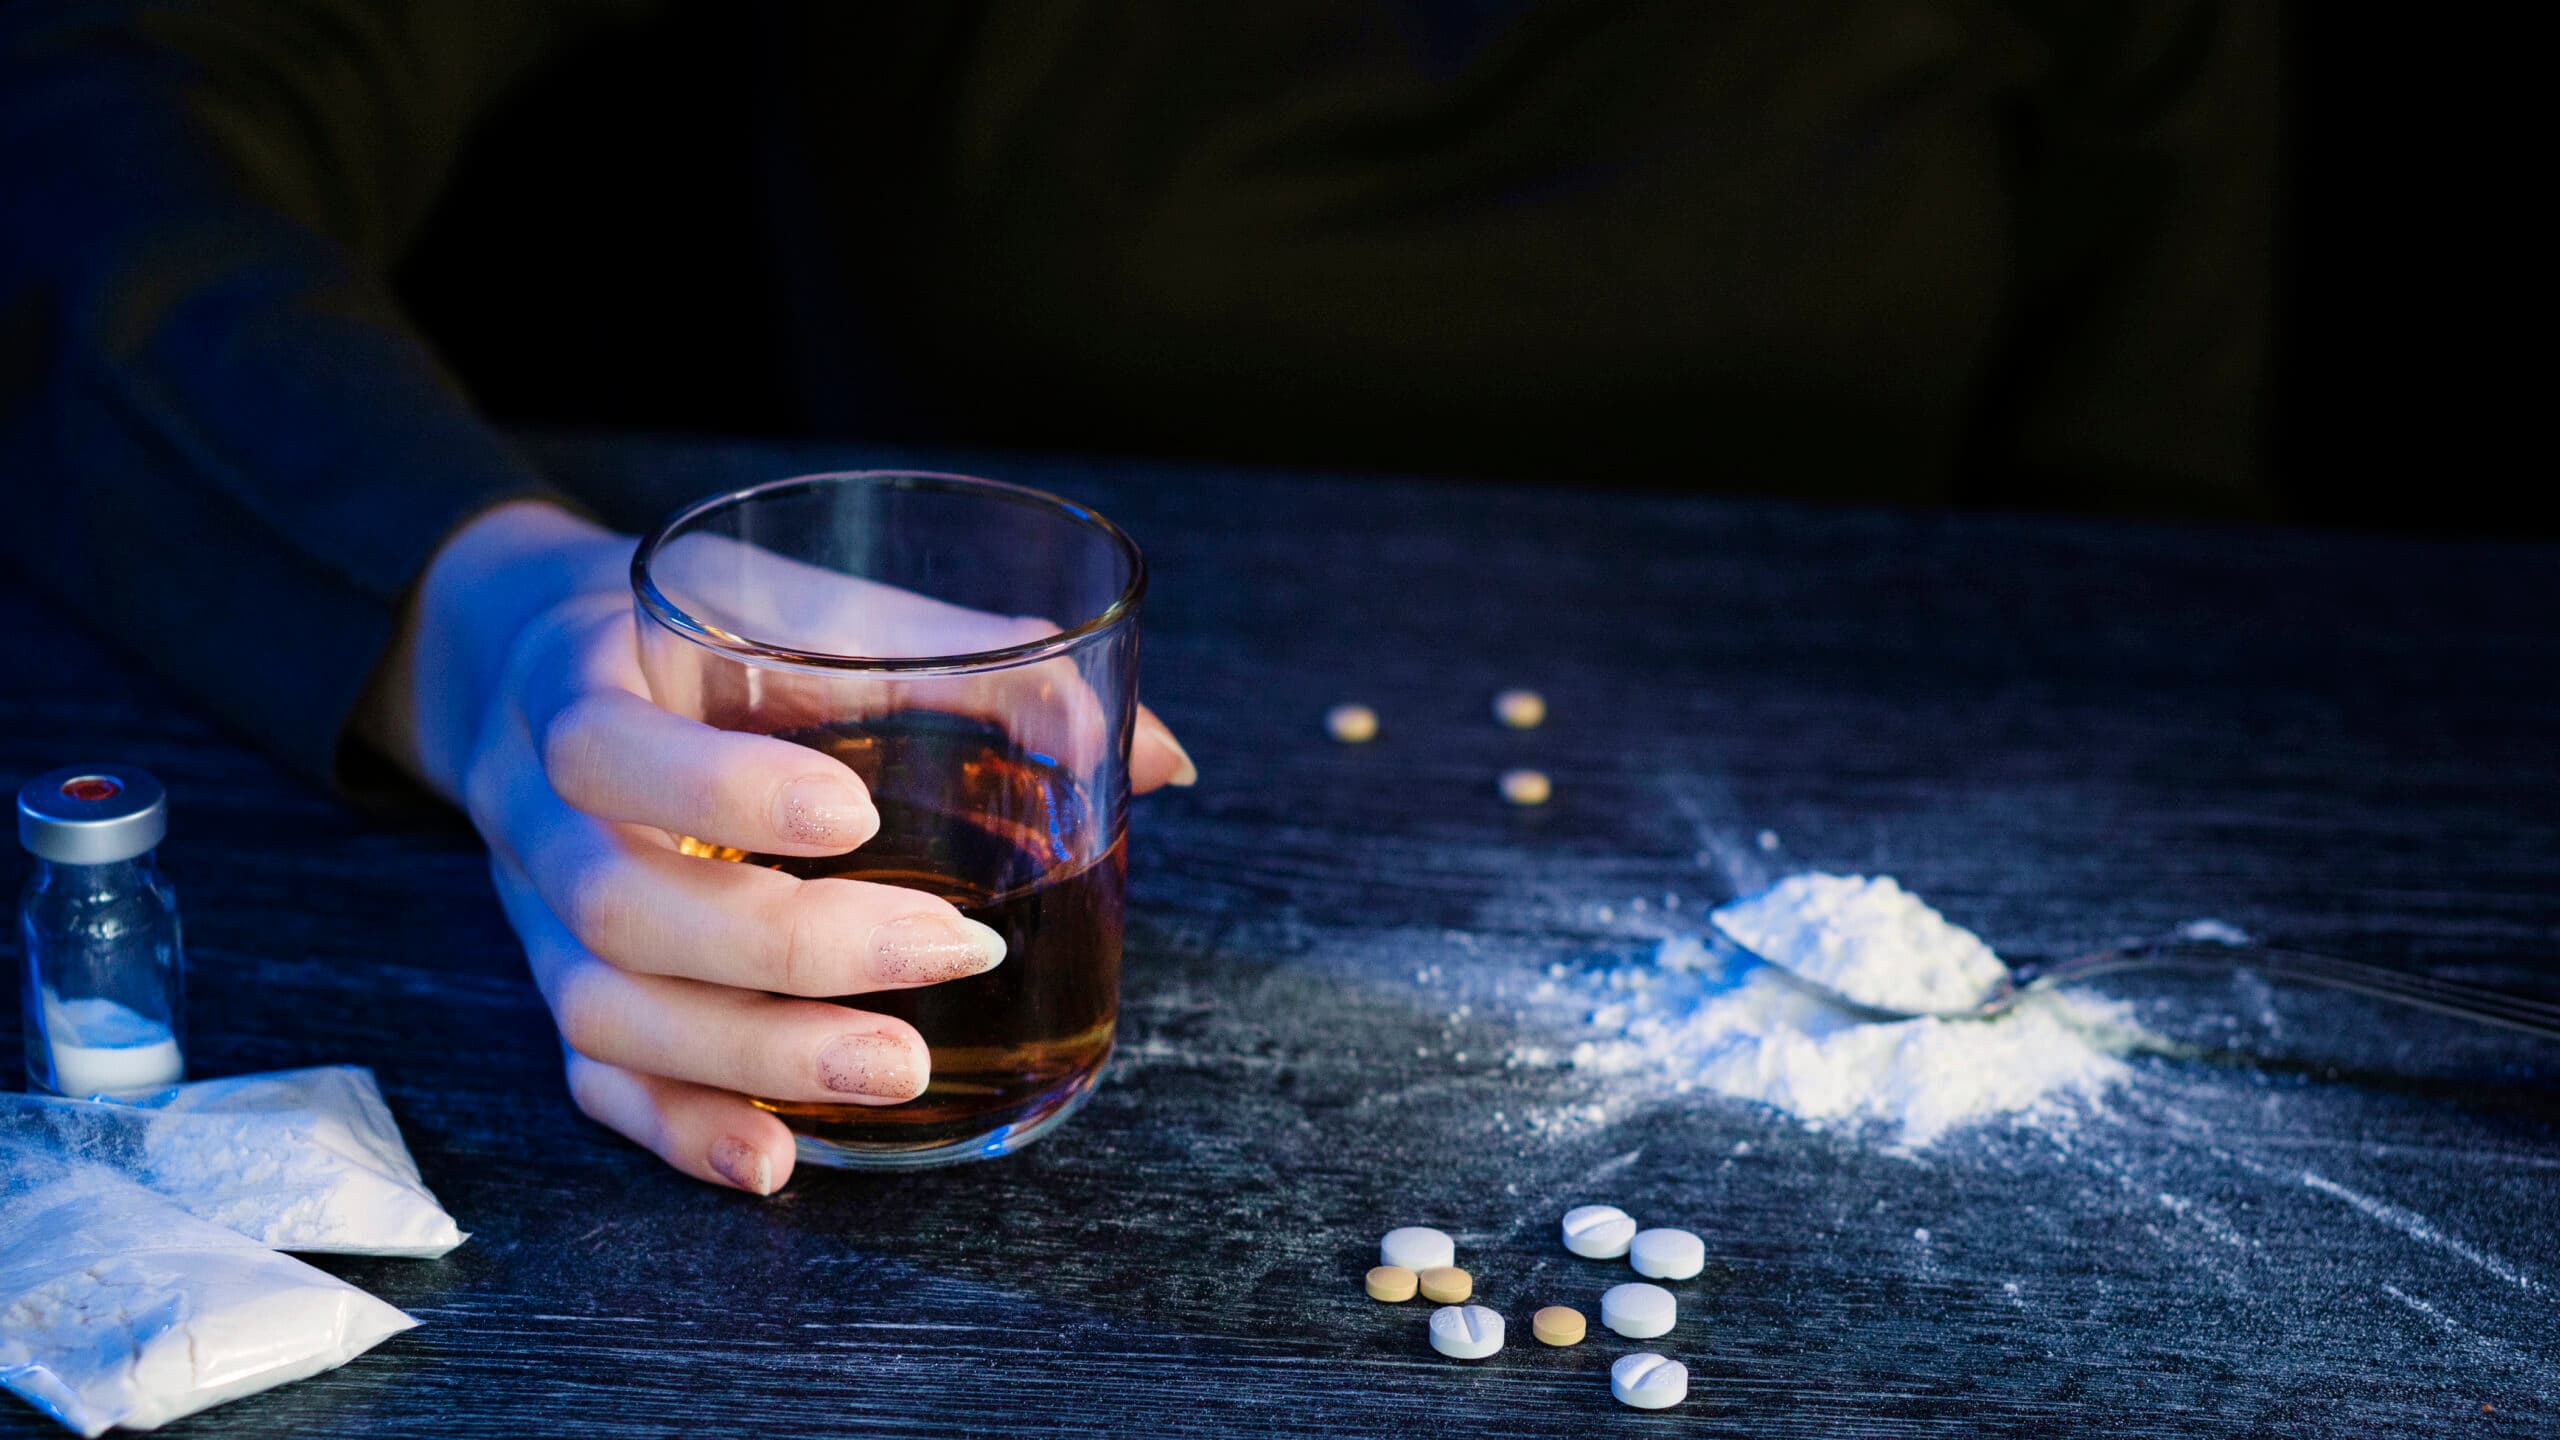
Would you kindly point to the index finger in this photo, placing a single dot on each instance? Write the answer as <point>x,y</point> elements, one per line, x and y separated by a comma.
<point>610,751</point>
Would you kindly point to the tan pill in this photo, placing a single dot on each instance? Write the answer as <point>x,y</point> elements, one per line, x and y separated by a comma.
<point>1558,1325</point>
<point>1520,709</point>
<point>1392,1283</point>
<point>1446,1284</point>
<point>1526,787</point>
<point>1352,724</point>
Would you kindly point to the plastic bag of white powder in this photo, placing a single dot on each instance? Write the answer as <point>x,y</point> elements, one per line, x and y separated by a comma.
<point>119,1308</point>
<point>138,1275</point>
<point>306,1160</point>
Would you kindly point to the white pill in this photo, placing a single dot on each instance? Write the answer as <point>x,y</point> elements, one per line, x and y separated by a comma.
<point>1637,1310</point>
<point>1598,1232</point>
<point>1417,1248</point>
<point>1667,1254</point>
<point>1649,1382</point>
<point>1465,1332</point>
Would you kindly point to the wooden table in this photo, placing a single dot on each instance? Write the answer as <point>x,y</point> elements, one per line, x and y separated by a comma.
<point>2319,1217</point>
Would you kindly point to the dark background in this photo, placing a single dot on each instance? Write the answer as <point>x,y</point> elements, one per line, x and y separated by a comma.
<point>624,183</point>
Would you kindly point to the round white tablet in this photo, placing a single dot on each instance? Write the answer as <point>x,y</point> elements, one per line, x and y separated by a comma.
<point>1465,1332</point>
<point>1649,1382</point>
<point>1417,1248</point>
<point>1598,1232</point>
<point>1667,1254</point>
<point>1637,1310</point>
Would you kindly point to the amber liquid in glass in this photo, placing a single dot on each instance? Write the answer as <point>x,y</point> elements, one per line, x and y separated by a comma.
<point>1005,834</point>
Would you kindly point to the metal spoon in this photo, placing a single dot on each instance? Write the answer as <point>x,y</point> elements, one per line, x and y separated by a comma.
<point>2026,977</point>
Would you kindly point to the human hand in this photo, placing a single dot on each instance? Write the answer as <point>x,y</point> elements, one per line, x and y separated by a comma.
<point>680,985</point>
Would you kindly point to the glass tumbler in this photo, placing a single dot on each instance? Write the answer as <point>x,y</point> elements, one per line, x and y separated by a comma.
<point>970,649</point>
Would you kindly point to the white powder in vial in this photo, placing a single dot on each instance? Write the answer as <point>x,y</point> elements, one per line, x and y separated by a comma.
<point>1679,1025</point>
<point>99,1047</point>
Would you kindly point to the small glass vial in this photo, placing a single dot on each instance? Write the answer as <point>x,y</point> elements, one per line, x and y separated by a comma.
<point>106,980</point>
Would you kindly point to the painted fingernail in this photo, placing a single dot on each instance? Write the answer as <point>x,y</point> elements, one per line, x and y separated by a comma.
<point>1185,773</point>
<point>921,949</point>
<point>873,1065</point>
<point>742,1165</point>
<point>818,810</point>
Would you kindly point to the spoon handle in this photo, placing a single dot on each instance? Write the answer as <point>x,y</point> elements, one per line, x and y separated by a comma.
<point>2445,997</point>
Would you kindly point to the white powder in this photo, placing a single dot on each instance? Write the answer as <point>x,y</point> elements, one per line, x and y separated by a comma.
<point>118,1308</point>
<point>1871,940</point>
<point>1679,1025</point>
<point>307,1160</point>
<point>2214,932</point>
<point>99,1047</point>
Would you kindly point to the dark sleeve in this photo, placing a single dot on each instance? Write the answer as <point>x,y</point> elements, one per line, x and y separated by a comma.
<point>223,447</point>
<point>2135,367</point>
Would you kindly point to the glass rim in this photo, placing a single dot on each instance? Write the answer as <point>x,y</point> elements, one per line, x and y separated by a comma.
<point>654,602</point>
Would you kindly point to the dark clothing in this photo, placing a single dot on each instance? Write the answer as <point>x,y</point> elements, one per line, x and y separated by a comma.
<point>1904,249</point>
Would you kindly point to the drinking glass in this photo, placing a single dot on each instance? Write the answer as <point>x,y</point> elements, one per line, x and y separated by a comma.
<point>970,649</point>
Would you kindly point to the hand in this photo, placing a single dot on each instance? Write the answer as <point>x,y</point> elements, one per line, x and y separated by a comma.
<point>677,983</point>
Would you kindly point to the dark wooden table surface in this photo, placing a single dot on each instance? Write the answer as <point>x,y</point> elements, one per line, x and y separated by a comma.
<point>2317,1217</point>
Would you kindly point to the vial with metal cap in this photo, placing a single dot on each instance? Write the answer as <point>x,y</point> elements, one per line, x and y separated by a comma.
<point>106,979</point>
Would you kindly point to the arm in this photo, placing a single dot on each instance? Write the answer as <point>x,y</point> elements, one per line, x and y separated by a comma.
<point>233,457</point>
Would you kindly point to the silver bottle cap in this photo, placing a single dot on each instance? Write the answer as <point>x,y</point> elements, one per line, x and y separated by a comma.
<point>92,814</point>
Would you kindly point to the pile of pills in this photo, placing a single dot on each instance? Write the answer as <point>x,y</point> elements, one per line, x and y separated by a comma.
<point>1418,1260</point>
<point>1355,724</point>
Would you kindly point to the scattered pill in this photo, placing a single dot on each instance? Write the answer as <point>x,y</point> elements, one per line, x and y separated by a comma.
<point>1417,1248</point>
<point>1446,1284</point>
<point>1352,724</point>
<point>1648,1381</point>
<point>1598,1232</point>
<point>1557,1325</point>
<point>1392,1283</point>
<point>1527,787</point>
<point>1465,1332</point>
<point>1520,709</point>
<point>1637,1310</point>
<point>1667,1254</point>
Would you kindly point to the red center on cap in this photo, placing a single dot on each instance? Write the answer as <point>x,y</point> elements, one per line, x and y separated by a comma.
<point>91,787</point>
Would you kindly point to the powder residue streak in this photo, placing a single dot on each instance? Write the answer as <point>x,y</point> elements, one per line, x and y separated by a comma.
<point>1684,1022</point>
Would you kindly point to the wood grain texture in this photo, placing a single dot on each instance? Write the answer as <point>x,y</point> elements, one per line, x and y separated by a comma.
<point>2318,1217</point>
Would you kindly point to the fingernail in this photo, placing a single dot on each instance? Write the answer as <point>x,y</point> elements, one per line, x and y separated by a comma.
<point>818,810</point>
<point>742,1165</point>
<point>921,949</point>
<point>871,1065</point>
<point>1184,772</point>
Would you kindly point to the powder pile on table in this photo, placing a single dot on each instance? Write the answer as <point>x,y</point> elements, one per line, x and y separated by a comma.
<point>1680,1024</point>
